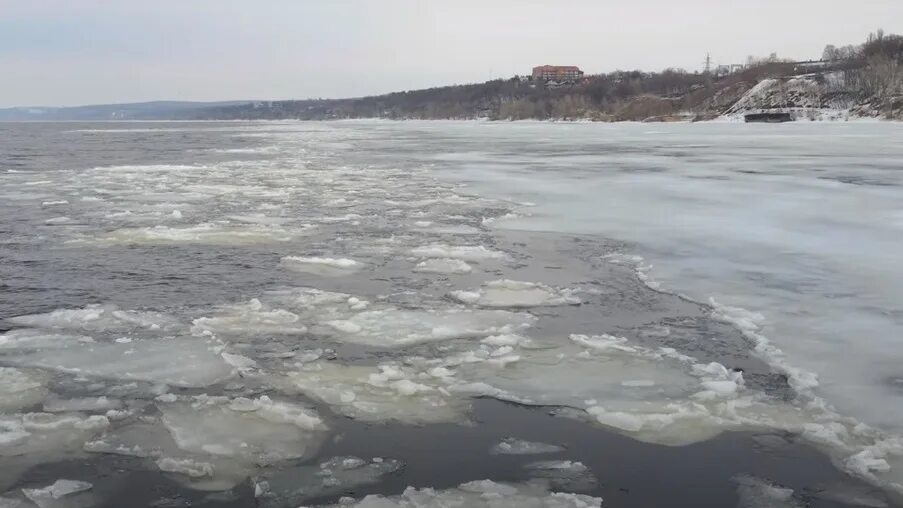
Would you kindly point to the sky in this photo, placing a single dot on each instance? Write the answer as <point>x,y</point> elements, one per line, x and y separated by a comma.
<point>73,52</point>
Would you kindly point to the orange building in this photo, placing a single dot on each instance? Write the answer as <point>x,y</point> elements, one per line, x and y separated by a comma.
<point>557,72</point>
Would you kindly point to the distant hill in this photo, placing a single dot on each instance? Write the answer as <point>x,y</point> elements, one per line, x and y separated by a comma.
<point>157,110</point>
<point>850,81</point>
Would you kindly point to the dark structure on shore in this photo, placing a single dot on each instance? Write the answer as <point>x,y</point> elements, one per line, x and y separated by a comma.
<point>768,117</point>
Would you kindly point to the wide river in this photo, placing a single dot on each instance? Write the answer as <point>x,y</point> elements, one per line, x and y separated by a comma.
<point>496,314</point>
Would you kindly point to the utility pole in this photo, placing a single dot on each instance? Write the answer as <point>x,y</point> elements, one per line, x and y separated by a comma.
<point>708,71</point>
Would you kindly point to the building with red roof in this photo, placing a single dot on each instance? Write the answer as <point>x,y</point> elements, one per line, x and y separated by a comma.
<point>557,72</point>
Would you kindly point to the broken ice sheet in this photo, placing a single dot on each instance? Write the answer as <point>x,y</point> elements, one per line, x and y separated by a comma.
<point>285,312</point>
<point>323,266</point>
<point>62,494</point>
<point>637,391</point>
<point>93,404</point>
<point>21,388</point>
<point>308,298</point>
<point>563,474</point>
<point>514,446</point>
<point>99,318</point>
<point>471,253</point>
<point>381,393</point>
<point>260,431</point>
<point>291,486</point>
<point>479,494</point>
<point>252,318</point>
<point>10,502</point>
<point>757,493</point>
<point>186,361</point>
<point>443,265</point>
<point>36,434</point>
<point>25,339</point>
<point>351,319</point>
<point>136,439</point>
<point>203,234</point>
<point>640,392</point>
<point>512,293</point>
<point>30,439</point>
<point>396,327</point>
<point>212,443</point>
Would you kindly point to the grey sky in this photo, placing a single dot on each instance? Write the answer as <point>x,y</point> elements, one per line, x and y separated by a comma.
<point>67,52</point>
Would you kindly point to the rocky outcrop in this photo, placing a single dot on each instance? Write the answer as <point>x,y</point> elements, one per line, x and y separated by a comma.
<point>889,109</point>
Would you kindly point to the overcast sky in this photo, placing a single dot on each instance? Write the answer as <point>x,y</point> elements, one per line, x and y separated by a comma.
<point>69,52</point>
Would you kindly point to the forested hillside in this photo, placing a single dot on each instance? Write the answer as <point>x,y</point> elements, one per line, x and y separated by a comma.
<point>866,79</point>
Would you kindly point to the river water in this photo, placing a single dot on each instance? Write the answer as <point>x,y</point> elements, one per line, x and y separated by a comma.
<point>241,314</point>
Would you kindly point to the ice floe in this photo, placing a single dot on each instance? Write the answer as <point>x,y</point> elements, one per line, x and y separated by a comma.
<point>259,430</point>
<point>324,266</point>
<point>212,443</point>
<point>189,467</point>
<point>153,360</point>
<point>20,388</point>
<point>291,486</point>
<point>90,318</point>
<point>145,438</point>
<point>478,494</point>
<point>514,446</point>
<point>471,253</point>
<point>91,404</point>
<point>757,493</point>
<point>37,437</point>
<point>511,293</point>
<point>62,494</point>
<point>443,265</point>
<point>447,229</point>
<point>383,393</point>
<point>397,327</point>
<point>252,318</point>
<point>563,474</point>
<point>206,233</point>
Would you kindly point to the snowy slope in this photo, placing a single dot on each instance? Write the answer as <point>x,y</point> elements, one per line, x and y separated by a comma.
<point>810,97</point>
